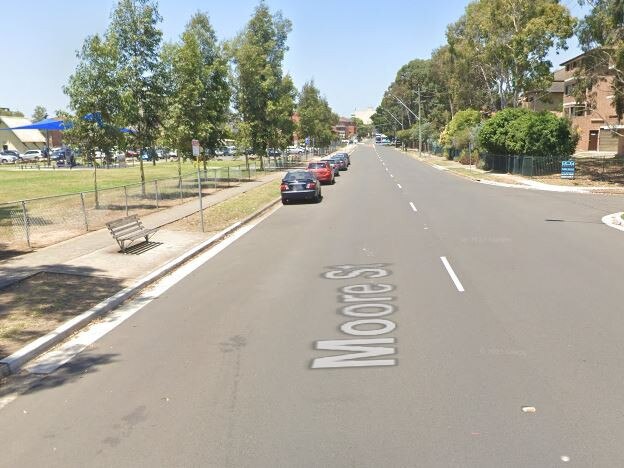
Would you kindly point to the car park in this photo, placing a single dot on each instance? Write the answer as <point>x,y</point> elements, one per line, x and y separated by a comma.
<point>300,185</point>
<point>323,171</point>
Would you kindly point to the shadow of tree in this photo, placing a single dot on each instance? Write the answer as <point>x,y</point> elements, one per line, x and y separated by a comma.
<point>6,252</point>
<point>35,302</point>
<point>76,369</point>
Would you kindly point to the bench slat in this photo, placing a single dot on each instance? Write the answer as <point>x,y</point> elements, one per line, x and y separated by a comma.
<point>126,229</point>
<point>120,222</point>
<point>138,235</point>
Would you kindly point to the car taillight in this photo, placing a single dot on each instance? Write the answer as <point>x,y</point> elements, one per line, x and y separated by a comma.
<point>311,185</point>
<point>284,187</point>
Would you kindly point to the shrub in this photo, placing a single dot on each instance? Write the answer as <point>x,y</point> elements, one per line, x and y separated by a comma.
<point>528,133</point>
<point>466,159</point>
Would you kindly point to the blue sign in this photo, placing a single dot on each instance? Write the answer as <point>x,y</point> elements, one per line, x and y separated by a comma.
<point>567,169</point>
<point>307,141</point>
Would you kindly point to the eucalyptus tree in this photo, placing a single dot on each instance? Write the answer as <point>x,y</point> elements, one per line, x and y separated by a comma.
<point>508,41</point>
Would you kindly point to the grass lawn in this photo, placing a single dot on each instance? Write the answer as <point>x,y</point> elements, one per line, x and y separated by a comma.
<point>16,184</point>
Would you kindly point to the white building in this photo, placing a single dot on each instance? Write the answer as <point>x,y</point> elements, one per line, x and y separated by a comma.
<point>19,140</point>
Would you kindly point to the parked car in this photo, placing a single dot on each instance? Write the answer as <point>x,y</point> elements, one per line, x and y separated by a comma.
<point>346,155</point>
<point>295,150</point>
<point>334,165</point>
<point>32,155</point>
<point>300,185</point>
<point>323,171</point>
<point>273,152</point>
<point>8,157</point>
<point>341,161</point>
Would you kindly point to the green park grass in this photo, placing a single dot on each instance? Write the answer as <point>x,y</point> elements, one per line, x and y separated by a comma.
<point>17,184</point>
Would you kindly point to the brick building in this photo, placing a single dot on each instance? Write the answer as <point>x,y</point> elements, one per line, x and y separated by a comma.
<point>597,123</point>
<point>345,128</point>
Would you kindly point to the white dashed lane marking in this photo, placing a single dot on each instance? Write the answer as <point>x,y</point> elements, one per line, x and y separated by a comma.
<point>413,207</point>
<point>452,274</point>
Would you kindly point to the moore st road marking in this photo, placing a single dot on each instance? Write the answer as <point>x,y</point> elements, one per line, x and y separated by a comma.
<point>452,274</point>
<point>366,302</point>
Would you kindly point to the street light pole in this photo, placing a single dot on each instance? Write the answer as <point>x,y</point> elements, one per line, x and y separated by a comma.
<point>419,125</point>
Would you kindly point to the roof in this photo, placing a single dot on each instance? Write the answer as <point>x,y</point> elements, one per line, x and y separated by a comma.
<point>560,75</point>
<point>25,136</point>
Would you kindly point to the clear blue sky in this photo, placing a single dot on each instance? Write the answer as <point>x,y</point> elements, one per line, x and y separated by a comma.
<point>351,48</point>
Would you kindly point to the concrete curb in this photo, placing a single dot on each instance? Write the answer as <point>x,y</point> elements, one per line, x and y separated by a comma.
<point>614,220</point>
<point>13,363</point>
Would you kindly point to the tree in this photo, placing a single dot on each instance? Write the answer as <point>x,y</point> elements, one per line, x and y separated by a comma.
<point>198,91</point>
<point>93,89</point>
<point>460,130</point>
<point>134,30</point>
<point>39,113</point>
<point>9,113</point>
<point>601,36</point>
<point>315,116</point>
<point>258,53</point>
<point>507,41</point>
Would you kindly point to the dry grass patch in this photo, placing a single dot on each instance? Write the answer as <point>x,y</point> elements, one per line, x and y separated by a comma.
<point>226,213</point>
<point>37,305</point>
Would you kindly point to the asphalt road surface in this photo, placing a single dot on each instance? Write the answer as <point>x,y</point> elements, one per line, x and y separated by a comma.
<point>411,319</point>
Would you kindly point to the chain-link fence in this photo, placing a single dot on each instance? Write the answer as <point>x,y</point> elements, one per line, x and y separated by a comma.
<point>26,224</point>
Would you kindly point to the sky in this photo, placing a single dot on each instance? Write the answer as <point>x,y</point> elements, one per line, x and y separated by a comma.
<point>352,49</point>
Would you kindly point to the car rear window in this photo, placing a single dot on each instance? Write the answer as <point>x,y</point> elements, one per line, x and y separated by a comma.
<point>317,165</point>
<point>299,175</point>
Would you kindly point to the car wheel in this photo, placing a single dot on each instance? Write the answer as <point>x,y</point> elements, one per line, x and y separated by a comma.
<point>4,161</point>
<point>284,201</point>
<point>333,181</point>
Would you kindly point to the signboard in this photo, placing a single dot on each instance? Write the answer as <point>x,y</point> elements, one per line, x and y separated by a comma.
<point>307,141</point>
<point>567,169</point>
<point>195,145</point>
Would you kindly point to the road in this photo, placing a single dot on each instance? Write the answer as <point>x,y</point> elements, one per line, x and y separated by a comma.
<point>471,326</point>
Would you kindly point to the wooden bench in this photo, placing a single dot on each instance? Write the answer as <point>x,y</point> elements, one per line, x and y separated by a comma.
<point>129,229</point>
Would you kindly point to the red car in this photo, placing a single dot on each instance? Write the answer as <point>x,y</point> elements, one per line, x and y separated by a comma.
<point>323,171</point>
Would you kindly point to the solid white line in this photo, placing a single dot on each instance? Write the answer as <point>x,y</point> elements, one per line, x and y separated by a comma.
<point>413,207</point>
<point>55,358</point>
<point>452,274</point>
<point>399,185</point>
<point>391,176</point>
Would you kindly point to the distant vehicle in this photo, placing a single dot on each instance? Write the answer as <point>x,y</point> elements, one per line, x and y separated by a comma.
<point>57,154</point>
<point>346,155</point>
<point>300,185</point>
<point>334,165</point>
<point>273,152</point>
<point>323,171</point>
<point>341,161</point>
<point>8,157</point>
<point>32,155</point>
<point>295,150</point>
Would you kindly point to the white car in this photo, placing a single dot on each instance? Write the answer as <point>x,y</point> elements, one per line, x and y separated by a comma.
<point>295,150</point>
<point>8,158</point>
<point>32,155</point>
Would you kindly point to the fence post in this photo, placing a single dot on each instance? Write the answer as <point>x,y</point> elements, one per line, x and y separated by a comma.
<point>26,227</point>
<point>84,212</point>
<point>201,208</point>
<point>215,178</point>
<point>126,197</point>
<point>180,183</point>
<point>156,189</point>
<point>228,175</point>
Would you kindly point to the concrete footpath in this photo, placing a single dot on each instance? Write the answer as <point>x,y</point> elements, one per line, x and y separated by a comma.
<point>97,254</point>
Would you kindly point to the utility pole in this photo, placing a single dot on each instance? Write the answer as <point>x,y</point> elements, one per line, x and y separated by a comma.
<point>419,126</point>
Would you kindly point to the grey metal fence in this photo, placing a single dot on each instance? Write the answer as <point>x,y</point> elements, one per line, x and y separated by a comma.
<point>38,222</point>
